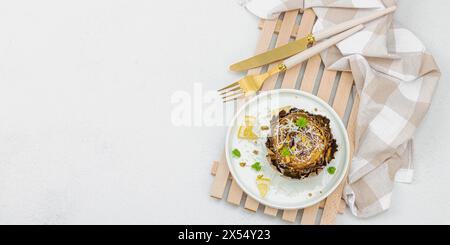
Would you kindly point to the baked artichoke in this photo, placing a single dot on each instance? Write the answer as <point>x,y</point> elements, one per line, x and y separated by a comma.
<point>300,144</point>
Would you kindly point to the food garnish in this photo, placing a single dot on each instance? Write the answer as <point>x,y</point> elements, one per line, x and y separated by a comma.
<point>255,152</point>
<point>262,178</point>
<point>331,170</point>
<point>301,144</point>
<point>265,128</point>
<point>236,153</point>
<point>301,122</point>
<point>243,164</point>
<point>285,152</point>
<point>246,131</point>
<point>263,185</point>
<point>257,166</point>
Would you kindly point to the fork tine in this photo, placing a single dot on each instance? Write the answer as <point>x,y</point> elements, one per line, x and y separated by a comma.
<point>234,99</point>
<point>234,96</point>
<point>229,86</point>
<point>237,88</point>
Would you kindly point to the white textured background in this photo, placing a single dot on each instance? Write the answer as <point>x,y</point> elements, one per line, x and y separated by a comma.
<point>85,130</point>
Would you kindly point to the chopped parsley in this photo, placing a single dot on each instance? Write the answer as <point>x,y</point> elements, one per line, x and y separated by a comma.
<point>257,166</point>
<point>331,170</point>
<point>236,153</point>
<point>301,122</point>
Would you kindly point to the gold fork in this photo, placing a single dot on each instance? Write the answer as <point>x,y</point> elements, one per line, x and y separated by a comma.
<point>251,84</point>
<point>248,85</point>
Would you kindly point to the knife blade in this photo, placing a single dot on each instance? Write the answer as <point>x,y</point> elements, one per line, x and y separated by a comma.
<point>274,55</point>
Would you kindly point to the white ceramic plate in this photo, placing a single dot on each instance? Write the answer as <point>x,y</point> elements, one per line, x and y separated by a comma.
<point>284,193</point>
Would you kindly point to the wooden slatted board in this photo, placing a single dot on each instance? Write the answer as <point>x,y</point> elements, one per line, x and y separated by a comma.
<point>334,87</point>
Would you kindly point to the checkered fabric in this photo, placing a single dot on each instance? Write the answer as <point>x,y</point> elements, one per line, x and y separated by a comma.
<point>395,78</point>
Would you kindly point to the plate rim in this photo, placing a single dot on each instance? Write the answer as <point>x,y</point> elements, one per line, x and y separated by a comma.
<point>339,122</point>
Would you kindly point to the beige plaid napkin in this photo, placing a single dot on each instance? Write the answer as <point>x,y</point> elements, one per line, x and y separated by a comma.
<point>395,78</point>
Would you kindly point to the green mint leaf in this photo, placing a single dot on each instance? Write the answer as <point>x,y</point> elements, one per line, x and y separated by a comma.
<point>236,153</point>
<point>301,122</point>
<point>331,170</point>
<point>285,152</point>
<point>257,166</point>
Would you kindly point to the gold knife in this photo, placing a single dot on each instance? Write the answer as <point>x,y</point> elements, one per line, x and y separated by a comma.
<point>304,43</point>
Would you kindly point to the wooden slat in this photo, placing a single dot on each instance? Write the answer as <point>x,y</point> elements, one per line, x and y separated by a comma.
<point>271,211</point>
<point>341,208</point>
<point>283,38</point>
<point>311,71</point>
<point>221,179</point>
<point>322,204</point>
<point>235,193</point>
<point>326,85</point>
<point>306,25</point>
<point>290,215</point>
<point>310,215</point>
<point>343,93</point>
<point>214,168</point>
<point>340,104</point>
<point>294,33</point>
<point>251,204</point>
